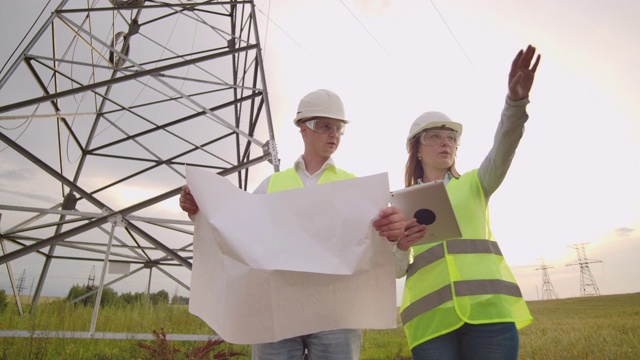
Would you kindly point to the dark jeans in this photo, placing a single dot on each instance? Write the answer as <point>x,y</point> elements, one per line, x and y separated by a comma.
<point>487,341</point>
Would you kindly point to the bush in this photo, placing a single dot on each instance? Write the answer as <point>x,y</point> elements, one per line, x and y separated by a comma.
<point>109,296</point>
<point>179,300</point>
<point>160,297</point>
<point>156,298</point>
<point>136,298</point>
<point>3,300</point>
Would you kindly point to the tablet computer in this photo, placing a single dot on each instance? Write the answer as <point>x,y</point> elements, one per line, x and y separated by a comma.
<point>429,203</point>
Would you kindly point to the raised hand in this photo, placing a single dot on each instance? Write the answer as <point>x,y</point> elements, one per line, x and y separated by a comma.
<point>522,73</point>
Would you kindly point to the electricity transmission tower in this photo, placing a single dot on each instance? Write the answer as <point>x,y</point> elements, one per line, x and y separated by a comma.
<point>22,282</point>
<point>102,107</point>
<point>548,291</point>
<point>588,286</point>
<point>92,278</point>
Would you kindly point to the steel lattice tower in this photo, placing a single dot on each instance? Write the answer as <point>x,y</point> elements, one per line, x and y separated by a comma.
<point>548,291</point>
<point>22,282</point>
<point>107,102</point>
<point>91,280</point>
<point>588,286</point>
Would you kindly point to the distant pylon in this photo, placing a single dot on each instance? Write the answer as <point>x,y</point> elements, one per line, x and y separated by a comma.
<point>548,292</point>
<point>588,286</point>
<point>92,278</point>
<point>21,282</point>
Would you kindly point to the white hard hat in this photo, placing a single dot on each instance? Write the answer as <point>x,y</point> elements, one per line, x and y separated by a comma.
<point>430,120</point>
<point>320,103</point>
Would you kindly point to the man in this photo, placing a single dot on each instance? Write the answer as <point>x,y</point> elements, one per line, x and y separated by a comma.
<point>322,122</point>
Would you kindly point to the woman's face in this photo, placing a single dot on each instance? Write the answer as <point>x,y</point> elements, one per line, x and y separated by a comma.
<point>437,148</point>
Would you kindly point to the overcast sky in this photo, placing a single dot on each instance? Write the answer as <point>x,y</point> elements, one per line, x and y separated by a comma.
<point>392,60</point>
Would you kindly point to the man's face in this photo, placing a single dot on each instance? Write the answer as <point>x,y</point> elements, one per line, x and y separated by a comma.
<point>322,135</point>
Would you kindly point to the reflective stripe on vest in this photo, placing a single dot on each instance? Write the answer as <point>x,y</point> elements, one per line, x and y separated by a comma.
<point>462,288</point>
<point>426,303</point>
<point>486,287</point>
<point>458,246</point>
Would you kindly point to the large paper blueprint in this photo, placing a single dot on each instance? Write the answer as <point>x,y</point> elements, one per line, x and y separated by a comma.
<point>269,267</point>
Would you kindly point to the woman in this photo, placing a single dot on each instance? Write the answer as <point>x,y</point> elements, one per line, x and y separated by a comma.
<point>461,300</point>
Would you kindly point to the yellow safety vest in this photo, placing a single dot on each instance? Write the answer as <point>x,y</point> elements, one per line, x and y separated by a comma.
<point>459,281</point>
<point>289,179</point>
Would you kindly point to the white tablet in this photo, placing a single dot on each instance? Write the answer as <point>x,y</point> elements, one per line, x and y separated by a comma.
<point>430,204</point>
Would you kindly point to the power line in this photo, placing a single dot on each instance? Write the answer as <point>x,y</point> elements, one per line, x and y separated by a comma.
<point>25,36</point>
<point>458,42</point>
<point>371,35</point>
<point>290,37</point>
<point>266,30</point>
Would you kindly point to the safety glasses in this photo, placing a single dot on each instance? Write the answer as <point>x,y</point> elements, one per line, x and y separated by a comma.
<point>437,137</point>
<point>325,126</point>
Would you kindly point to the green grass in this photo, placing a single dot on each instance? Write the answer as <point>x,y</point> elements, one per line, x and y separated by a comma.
<point>59,316</point>
<point>603,327</point>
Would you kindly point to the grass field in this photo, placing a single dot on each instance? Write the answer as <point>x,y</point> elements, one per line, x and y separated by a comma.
<point>603,327</point>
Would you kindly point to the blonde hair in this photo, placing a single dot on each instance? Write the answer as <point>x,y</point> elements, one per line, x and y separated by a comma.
<point>413,170</point>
